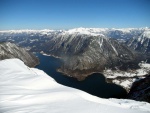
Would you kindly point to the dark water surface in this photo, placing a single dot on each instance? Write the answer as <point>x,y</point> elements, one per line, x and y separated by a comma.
<point>94,84</point>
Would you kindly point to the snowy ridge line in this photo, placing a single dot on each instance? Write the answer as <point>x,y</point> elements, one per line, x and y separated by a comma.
<point>80,30</point>
<point>26,30</point>
<point>25,89</point>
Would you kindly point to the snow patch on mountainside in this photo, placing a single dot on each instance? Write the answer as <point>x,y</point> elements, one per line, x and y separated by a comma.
<point>126,78</point>
<point>146,34</point>
<point>25,90</point>
<point>143,36</point>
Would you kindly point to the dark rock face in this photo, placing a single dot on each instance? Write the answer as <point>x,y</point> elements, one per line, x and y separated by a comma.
<point>85,54</point>
<point>140,90</point>
<point>9,50</point>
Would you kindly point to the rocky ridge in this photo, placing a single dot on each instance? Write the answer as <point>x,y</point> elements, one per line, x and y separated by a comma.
<point>140,90</point>
<point>9,50</point>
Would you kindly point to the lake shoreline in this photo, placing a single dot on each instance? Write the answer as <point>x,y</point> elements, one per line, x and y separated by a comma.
<point>95,84</point>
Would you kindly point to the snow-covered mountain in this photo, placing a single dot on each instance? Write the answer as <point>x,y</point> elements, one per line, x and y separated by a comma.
<point>33,38</point>
<point>110,32</point>
<point>140,43</point>
<point>25,90</point>
<point>9,50</point>
<point>30,38</point>
<point>87,31</point>
<point>85,54</point>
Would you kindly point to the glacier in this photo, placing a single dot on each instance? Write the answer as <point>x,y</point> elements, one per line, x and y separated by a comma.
<point>30,90</point>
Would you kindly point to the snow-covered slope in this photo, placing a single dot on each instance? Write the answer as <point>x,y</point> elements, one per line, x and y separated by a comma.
<point>29,90</point>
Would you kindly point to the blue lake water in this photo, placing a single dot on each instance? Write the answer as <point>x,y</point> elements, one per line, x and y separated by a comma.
<point>95,84</point>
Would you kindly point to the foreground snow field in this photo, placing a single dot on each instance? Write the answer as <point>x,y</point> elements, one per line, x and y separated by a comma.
<point>29,90</point>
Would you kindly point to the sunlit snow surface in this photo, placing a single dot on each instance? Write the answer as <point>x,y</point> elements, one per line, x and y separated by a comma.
<point>29,90</point>
<point>80,30</point>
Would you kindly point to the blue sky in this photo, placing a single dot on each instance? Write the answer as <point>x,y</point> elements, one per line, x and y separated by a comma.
<point>66,14</point>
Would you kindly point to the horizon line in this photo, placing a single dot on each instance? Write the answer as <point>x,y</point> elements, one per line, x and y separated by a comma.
<point>75,28</point>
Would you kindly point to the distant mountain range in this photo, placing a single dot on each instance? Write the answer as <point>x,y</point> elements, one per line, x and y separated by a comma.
<point>112,32</point>
<point>31,36</point>
<point>86,50</point>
